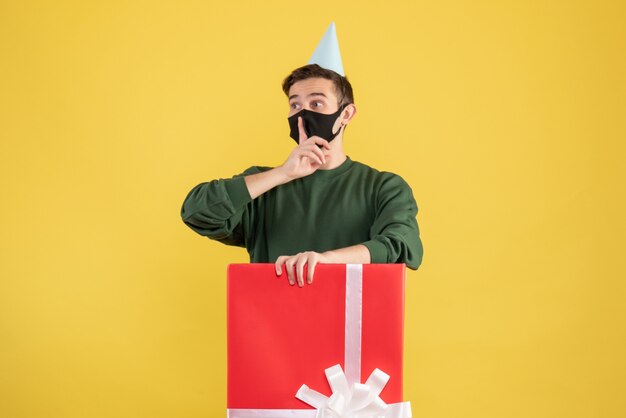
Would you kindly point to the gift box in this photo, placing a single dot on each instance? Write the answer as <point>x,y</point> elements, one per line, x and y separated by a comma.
<point>336,343</point>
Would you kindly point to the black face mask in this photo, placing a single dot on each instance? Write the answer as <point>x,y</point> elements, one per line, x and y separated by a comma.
<point>315,124</point>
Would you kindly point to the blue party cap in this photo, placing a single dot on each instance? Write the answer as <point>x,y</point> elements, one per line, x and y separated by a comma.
<point>327,53</point>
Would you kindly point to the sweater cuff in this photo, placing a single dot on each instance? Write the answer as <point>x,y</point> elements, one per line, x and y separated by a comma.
<point>237,191</point>
<point>378,251</point>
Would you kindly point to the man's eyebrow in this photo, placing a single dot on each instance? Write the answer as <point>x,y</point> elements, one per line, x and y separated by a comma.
<point>309,95</point>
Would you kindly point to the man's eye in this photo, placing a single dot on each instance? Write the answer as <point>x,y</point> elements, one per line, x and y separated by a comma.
<point>294,105</point>
<point>317,104</point>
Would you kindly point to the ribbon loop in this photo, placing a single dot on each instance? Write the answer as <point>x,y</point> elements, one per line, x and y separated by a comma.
<point>377,381</point>
<point>312,397</point>
<point>338,381</point>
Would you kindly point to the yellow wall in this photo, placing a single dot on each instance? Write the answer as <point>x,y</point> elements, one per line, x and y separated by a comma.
<point>506,118</point>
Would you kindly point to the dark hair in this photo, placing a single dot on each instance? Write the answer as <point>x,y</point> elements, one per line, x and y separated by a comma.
<point>343,88</point>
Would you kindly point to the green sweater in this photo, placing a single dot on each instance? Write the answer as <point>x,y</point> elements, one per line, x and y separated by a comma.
<point>329,209</point>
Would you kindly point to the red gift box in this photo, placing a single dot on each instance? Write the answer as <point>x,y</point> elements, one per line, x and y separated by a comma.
<point>281,336</point>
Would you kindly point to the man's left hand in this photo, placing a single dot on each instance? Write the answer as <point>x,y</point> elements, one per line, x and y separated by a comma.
<point>297,263</point>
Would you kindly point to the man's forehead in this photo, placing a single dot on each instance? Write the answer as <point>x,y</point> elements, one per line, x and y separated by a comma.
<point>311,87</point>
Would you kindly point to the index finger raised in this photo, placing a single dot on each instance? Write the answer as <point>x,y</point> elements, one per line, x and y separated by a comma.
<point>303,135</point>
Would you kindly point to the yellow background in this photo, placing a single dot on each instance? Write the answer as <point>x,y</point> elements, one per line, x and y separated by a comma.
<point>506,118</point>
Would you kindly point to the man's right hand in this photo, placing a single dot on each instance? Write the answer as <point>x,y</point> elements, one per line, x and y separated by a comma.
<point>307,157</point>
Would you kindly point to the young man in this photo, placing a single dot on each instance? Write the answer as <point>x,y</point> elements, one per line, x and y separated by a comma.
<point>319,206</point>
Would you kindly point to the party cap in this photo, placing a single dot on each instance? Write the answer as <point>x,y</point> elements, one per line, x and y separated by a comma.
<point>327,53</point>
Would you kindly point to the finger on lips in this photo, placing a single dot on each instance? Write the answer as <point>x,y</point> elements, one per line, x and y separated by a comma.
<point>301,129</point>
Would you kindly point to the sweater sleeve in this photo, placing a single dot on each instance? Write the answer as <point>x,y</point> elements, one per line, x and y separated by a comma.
<point>215,208</point>
<point>394,234</point>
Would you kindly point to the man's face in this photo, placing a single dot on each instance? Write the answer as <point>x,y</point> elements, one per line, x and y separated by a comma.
<point>316,94</point>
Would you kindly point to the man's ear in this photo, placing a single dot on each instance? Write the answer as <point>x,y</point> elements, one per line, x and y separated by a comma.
<point>348,114</point>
